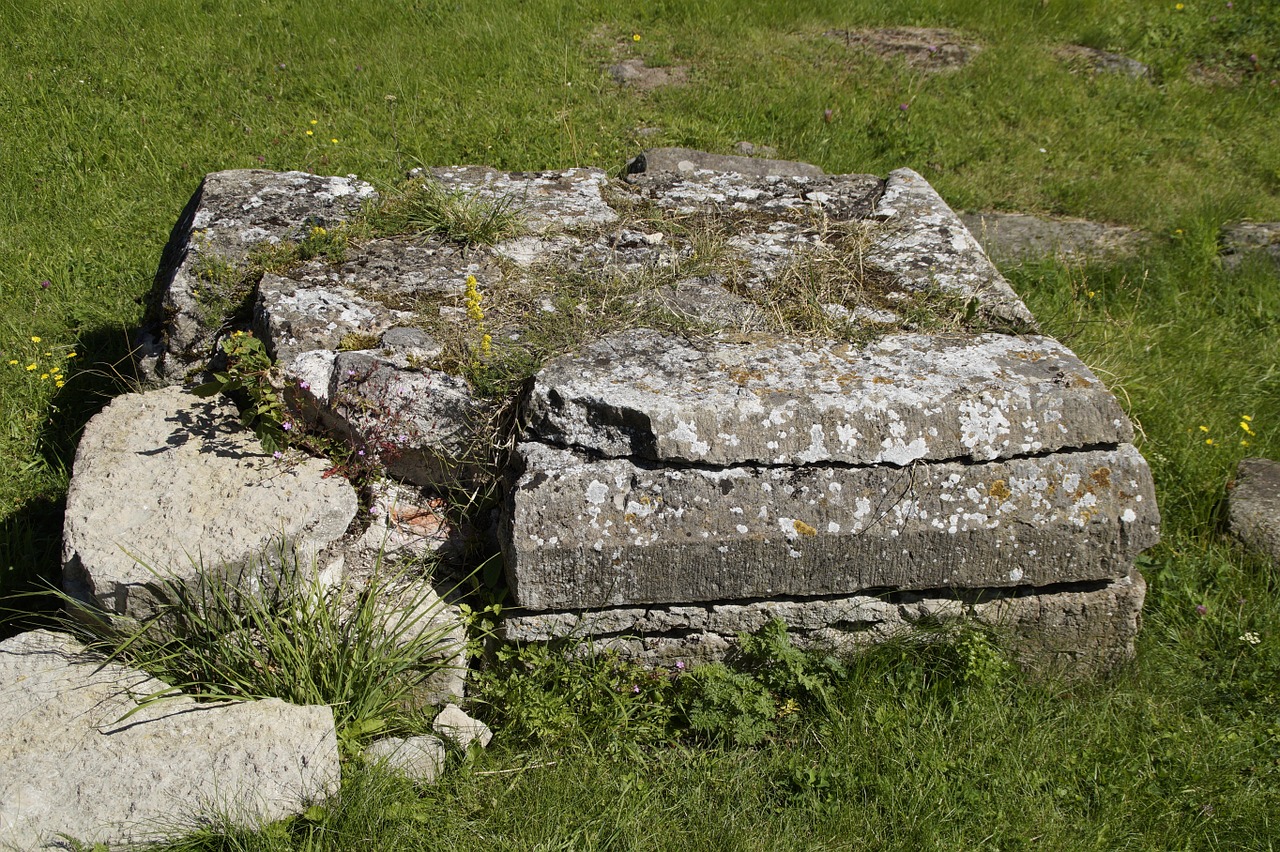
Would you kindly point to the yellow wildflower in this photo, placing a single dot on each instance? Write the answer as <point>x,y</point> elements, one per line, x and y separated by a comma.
<point>35,339</point>
<point>44,376</point>
<point>30,367</point>
<point>1178,6</point>
<point>59,383</point>
<point>486,343</point>
<point>310,133</point>
<point>71,354</point>
<point>1209,441</point>
<point>1204,428</point>
<point>635,36</point>
<point>1246,418</point>
<point>313,121</point>
<point>13,362</point>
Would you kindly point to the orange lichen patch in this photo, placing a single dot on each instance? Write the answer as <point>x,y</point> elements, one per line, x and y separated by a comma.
<point>1101,478</point>
<point>803,528</point>
<point>425,521</point>
<point>1000,490</point>
<point>741,375</point>
<point>882,380</point>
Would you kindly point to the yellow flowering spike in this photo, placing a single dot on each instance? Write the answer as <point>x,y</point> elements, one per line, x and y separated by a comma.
<point>35,339</point>
<point>486,344</point>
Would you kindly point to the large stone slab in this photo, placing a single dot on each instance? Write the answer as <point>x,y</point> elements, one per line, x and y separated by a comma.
<point>1077,628</point>
<point>904,398</point>
<point>166,484</point>
<point>581,532</point>
<point>74,762</point>
<point>1018,236</point>
<point>230,214</point>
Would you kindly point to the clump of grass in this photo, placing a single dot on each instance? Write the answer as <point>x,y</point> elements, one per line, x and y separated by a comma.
<point>261,632</point>
<point>420,208</point>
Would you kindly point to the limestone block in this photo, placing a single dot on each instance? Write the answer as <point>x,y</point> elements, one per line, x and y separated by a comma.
<point>685,161</point>
<point>417,758</point>
<point>1253,507</point>
<point>230,213</point>
<point>424,425</point>
<point>166,484</point>
<point>688,182</point>
<point>293,317</point>
<point>546,201</point>
<point>905,398</point>
<point>455,725</point>
<point>71,763</point>
<point>930,249</point>
<point>1076,628</point>
<point>584,532</point>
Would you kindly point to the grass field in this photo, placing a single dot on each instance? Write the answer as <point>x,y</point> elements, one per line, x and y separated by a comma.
<point>115,110</point>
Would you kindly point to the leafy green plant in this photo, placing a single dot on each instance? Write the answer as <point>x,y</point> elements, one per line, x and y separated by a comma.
<point>249,379</point>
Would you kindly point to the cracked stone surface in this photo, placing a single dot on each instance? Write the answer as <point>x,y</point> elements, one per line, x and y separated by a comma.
<point>71,763</point>
<point>580,532</point>
<point>905,398</point>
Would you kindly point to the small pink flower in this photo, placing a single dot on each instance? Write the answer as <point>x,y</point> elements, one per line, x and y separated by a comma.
<point>680,665</point>
<point>904,107</point>
<point>286,426</point>
<point>1201,609</point>
<point>304,385</point>
<point>44,285</point>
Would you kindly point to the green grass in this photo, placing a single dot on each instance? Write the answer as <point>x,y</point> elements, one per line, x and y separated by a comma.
<point>116,111</point>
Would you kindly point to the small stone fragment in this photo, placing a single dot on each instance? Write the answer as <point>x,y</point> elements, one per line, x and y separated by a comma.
<point>455,725</point>
<point>419,759</point>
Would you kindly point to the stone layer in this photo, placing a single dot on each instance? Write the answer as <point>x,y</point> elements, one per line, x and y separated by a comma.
<point>655,397</point>
<point>580,532</point>
<point>1077,628</point>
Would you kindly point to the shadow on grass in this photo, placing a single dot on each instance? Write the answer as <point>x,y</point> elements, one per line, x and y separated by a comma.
<point>31,537</point>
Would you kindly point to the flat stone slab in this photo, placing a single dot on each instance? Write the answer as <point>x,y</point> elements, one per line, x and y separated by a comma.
<point>925,49</point>
<point>685,162</point>
<point>1076,628</point>
<point>1253,507</point>
<point>1097,61</point>
<point>585,533</point>
<point>166,484</point>
<point>71,763</point>
<point>1018,236</point>
<point>656,397</point>
<point>1245,238</point>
